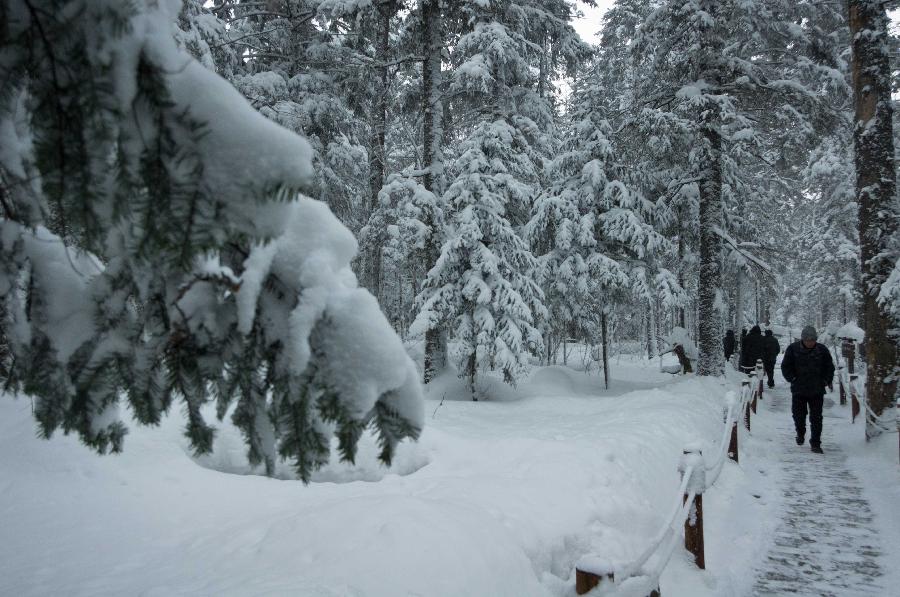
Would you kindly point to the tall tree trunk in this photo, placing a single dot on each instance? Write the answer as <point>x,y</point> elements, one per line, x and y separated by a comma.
<point>384,12</point>
<point>711,359</point>
<point>875,188</point>
<point>433,160</point>
<point>709,342</point>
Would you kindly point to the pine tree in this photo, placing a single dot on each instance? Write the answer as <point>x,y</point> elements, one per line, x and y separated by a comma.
<point>483,288</point>
<point>157,248</point>
<point>713,77</point>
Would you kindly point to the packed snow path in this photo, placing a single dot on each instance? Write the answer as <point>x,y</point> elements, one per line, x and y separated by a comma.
<point>826,544</point>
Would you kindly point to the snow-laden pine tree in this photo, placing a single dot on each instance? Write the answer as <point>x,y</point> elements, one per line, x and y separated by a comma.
<point>715,77</point>
<point>297,64</point>
<point>482,289</point>
<point>155,249</point>
<point>592,231</point>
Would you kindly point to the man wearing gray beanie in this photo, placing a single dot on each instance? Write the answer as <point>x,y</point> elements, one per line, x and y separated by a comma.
<point>807,365</point>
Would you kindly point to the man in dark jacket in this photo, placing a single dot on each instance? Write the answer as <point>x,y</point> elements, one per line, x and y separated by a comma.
<point>751,349</point>
<point>807,365</point>
<point>771,348</point>
<point>728,344</point>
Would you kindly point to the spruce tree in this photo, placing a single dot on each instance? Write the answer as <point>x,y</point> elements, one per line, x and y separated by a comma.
<point>157,248</point>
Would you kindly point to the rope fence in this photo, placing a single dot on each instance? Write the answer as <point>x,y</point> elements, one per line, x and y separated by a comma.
<point>641,575</point>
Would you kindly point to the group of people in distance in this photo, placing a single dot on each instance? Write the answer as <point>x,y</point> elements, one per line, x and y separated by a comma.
<point>806,365</point>
<point>754,347</point>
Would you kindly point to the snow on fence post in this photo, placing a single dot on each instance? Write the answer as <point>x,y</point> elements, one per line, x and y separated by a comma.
<point>692,463</point>
<point>591,573</point>
<point>760,374</point>
<point>854,399</point>
<point>746,387</point>
<point>841,388</point>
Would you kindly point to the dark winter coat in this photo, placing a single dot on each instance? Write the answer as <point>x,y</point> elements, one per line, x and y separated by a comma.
<point>752,347</point>
<point>808,370</point>
<point>771,348</point>
<point>728,344</point>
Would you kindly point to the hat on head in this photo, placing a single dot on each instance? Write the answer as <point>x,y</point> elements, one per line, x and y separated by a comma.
<point>809,333</point>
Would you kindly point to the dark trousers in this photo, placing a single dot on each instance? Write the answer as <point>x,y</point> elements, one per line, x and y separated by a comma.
<point>799,406</point>
<point>770,372</point>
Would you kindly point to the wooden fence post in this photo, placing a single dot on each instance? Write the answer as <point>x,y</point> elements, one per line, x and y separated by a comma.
<point>854,399</point>
<point>848,350</point>
<point>760,372</point>
<point>586,581</point>
<point>733,444</point>
<point>693,526</point>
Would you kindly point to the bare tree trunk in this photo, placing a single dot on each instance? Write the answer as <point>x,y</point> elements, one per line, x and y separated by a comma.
<point>875,189</point>
<point>435,353</point>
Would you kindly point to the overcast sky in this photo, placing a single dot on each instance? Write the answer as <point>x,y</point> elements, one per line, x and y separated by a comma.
<point>589,26</point>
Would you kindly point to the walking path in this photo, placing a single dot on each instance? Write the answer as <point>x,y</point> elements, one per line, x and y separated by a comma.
<point>826,544</point>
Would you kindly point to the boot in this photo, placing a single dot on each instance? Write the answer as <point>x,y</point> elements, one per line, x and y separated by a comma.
<point>817,449</point>
<point>800,439</point>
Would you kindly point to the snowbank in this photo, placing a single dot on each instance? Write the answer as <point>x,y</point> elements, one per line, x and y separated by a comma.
<point>498,498</point>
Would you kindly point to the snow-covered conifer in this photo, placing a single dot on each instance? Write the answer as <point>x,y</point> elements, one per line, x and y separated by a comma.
<point>155,249</point>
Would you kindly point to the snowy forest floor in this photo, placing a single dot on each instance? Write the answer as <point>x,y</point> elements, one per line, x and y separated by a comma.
<point>499,497</point>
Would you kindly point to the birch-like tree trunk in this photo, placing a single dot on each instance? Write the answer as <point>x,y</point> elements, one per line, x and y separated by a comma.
<point>433,159</point>
<point>875,189</point>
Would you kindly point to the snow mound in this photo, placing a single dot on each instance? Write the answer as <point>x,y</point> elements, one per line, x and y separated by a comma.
<point>852,331</point>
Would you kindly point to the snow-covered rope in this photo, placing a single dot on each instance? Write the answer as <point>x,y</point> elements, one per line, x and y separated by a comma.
<point>643,581</point>
<point>876,420</point>
<point>638,563</point>
<point>668,533</point>
<point>635,577</point>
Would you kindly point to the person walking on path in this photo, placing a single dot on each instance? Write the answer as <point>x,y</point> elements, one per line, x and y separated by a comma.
<point>728,344</point>
<point>771,348</point>
<point>751,349</point>
<point>807,365</point>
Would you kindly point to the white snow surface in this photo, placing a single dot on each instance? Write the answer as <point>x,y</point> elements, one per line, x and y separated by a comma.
<point>500,497</point>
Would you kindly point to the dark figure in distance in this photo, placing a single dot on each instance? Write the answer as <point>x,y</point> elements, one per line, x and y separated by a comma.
<point>771,348</point>
<point>728,344</point>
<point>807,365</point>
<point>751,349</point>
